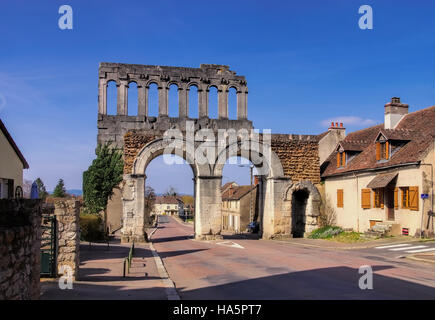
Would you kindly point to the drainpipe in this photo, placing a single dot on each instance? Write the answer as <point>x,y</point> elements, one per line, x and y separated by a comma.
<point>357,201</point>
<point>431,196</point>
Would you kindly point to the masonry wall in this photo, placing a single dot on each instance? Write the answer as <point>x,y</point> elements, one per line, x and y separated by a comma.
<point>299,155</point>
<point>20,245</point>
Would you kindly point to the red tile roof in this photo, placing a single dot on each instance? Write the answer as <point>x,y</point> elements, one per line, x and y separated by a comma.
<point>416,130</point>
<point>236,193</point>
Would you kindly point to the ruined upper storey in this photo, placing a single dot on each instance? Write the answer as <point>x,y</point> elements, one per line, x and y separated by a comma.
<point>203,78</point>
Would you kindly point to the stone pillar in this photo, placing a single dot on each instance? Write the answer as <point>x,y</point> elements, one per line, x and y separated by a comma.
<point>208,215</point>
<point>163,100</point>
<point>134,214</point>
<point>102,96</point>
<point>67,214</point>
<point>223,103</point>
<point>202,101</point>
<point>142,97</point>
<point>182,103</point>
<point>122,98</point>
<point>241,105</point>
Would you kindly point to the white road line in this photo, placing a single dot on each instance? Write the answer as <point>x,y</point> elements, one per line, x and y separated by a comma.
<point>230,244</point>
<point>421,250</point>
<point>392,246</point>
<point>407,248</point>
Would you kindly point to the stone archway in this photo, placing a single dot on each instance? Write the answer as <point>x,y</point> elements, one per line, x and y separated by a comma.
<point>303,204</point>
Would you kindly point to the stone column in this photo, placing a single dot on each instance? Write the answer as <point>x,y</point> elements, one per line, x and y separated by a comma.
<point>241,105</point>
<point>208,215</point>
<point>182,103</point>
<point>122,98</point>
<point>202,101</point>
<point>142,96</point>
<point>102,96</point>
<point>163,100</point>
<point>134,214</point>
<point>223,103</point>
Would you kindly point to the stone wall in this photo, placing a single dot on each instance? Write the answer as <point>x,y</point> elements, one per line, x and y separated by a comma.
<point>67,214</point>
<point>20,245</point>
<point>299,155</point>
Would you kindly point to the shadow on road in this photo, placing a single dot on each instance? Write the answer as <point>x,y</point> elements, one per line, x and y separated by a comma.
<point>326,283</point>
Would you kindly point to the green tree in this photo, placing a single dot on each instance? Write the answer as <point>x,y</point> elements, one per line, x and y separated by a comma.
<point>102,176</point>
<point>60,191</point>
<point>171,192</point>
<point>42,192</point>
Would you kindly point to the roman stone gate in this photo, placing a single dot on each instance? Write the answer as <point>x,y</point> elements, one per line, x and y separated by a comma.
<point>204,143</point>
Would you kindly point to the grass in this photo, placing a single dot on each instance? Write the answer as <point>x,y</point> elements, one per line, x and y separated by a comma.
<point>333,233</point>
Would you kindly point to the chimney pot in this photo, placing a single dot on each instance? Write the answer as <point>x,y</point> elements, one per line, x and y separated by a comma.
<point>332,124</point>
<point>341,124</point>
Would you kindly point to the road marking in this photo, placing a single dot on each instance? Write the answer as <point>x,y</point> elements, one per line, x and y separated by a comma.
<point>230,244</point>
<point>392,246</point>
<point>421,250</point>
<point>407,248</point>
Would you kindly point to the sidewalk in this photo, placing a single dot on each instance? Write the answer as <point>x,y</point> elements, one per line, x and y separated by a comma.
<point>101,271</point>
<point>331,244</point>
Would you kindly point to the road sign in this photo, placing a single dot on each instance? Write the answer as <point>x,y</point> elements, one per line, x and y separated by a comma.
<point>424,196</point>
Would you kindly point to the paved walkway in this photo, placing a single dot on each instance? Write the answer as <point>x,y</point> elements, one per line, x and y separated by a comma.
<point>100,275</point>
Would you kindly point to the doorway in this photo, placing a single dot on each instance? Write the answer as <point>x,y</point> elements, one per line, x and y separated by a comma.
<point>299,207</point>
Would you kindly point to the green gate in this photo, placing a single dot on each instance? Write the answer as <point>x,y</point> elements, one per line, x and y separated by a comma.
<point>48,246</point>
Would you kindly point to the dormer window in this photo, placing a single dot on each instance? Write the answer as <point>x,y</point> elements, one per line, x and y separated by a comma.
<point>382,149</point>
<point>341,159</point>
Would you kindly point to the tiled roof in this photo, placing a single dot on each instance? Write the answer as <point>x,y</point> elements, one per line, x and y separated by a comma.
<point>416,129</point>
<point>13,145</point>
<point>166,200</point>
<point>236,193</point>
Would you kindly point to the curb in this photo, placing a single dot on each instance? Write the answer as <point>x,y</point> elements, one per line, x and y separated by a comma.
<point>171,291</point>
<point>420,259</point>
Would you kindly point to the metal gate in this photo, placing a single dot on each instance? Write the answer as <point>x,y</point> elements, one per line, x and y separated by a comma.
<point>48,246</point>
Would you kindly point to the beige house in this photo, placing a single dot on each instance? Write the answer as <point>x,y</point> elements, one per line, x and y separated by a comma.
<point>166,205</point>
<point>12,164</point>
<point>378,175</point>
<point>238,206</point>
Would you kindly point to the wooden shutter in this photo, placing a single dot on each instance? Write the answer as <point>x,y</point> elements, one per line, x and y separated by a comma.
<point>365,198</point>
<point>381,198</point>
<point>387,151</point>
<point>413,198</point>
<point>10,188</point>
<point>378,151</point>
<point>343,160</point>
<point>339,198</point>
<point>396,198</point>
<point>338,159</point>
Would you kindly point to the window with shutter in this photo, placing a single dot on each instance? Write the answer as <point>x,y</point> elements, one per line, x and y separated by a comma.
<point>378,151</point>
<point>413,198</point>
<point>365,198</point>
<point>405,197</point>
<point>339,198</point>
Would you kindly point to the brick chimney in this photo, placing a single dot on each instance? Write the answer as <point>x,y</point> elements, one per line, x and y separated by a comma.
<point>394,112</point>
<point>256,180</point>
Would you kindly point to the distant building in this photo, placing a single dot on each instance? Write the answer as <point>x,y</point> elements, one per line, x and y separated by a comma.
<point>166,205</point>
<point>12,164</point>
<point>376,176</point>
<point>238,205</point>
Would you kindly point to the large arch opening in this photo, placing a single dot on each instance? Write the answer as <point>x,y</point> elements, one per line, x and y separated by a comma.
<point>111,98</point>
<point>193,102</point>
<point>132,101</point>
<point>240,197</point>
<point>213,103</point>
<point>153,100</point>
<point>170,179</point>
<point>173,97</point>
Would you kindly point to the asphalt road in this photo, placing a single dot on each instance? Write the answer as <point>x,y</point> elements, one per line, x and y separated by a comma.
<point>262,269</point>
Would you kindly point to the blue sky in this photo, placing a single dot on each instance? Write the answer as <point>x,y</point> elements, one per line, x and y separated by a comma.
<point>306,62</point>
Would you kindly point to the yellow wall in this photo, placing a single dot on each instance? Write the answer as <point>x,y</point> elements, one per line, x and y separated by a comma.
<point>357,218</point>
<point>11,166</point>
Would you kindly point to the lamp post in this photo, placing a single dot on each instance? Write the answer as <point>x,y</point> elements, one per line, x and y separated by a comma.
<point>251,167</point>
